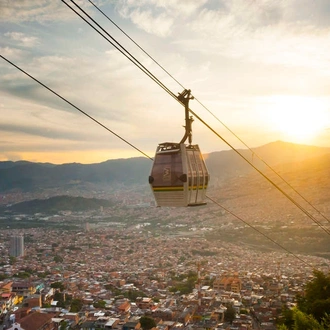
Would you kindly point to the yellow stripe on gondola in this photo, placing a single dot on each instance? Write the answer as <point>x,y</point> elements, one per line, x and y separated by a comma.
<point>167,188</point>
<point>197,187</point>
<point>159,189</point>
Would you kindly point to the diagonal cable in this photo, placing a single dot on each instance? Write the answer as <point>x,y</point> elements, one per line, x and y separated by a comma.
<point>81,111</point>
<point>259,231</point>
<point>208,126</point>
<point>144,154</point>
<point>118,46</point>
<point>221,122</point>
<point>262,174</point>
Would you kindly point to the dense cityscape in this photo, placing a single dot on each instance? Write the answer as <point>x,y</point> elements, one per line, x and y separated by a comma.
<point>90,254</point>
<point>107,224</point>
<point>120,273</point>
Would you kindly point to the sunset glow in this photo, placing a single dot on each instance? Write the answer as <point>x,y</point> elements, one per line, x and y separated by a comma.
<point>261,67</point>
<point>299,119</point>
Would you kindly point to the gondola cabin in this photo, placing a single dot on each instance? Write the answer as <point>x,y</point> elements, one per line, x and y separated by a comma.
<point>179,176</point>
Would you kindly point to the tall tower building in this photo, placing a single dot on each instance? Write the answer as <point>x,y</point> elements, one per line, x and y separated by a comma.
<point>16,248</point>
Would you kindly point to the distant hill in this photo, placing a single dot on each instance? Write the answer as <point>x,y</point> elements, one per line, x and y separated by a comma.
<point>228,164</point>
<point>53,205</point>
<point>28,176</point>
<point>223,165</point>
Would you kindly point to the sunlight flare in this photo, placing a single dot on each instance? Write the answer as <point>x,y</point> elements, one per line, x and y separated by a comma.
<point>299,119</point>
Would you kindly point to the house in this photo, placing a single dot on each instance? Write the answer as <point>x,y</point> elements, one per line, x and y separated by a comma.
<point>124,307</point>
<point>111,323</point>
<point>144,302</point>
<point>33,301</point>
<point>24,289</point>
<point>101,323</point>
<point>228,283</point>
<point>6,287</point>
<point>35,321</point>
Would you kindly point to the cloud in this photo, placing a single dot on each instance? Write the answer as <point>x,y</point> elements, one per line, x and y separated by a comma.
<point>157,17</point>
<point>260,32</point>
<point>229,52</point>
<point>42,131</point>
<point>41,11</point>
<point>22,38</point>
<point>159,25</point>
<point>12,53</point>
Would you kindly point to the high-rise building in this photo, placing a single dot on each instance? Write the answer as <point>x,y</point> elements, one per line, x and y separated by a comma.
<point>16,248</point>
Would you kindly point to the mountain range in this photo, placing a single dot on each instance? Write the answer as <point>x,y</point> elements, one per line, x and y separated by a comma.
<point>290,175</point>
<point>223,165</point>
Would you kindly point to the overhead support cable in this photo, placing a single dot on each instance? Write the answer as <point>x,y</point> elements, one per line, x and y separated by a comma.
<point>262,174</point>
<point>264,162</point>
<point>74,106</point>
<point>141,67</point>
<point>135,43</point>
<point>172,94</point>
<point>260,232</point>
<point>118,46</point>
<point>143,153</point>
<point>221,122</point>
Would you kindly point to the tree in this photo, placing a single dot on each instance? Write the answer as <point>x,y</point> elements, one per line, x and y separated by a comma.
<point>99,304</point>
<point>57,285</point>
<point>59,297</point>
<point>303,321</point>
<point>317,296</point>
<point>312,308</point>
<point>64,325</point>
<point>76,305</point>
<point>286,318</point>
<point>58,259</point>
<point>147,322</point>
<point>12,260</point>
<point>230,313</point>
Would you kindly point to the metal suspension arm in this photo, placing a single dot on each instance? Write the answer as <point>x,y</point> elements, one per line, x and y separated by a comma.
<point>184,98</point>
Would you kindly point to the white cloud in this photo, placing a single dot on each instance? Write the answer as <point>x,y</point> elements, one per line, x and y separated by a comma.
<point>160,25</point>
<point>41,11</point>
<point>28,41</point>
<point>261,35</point>
<point>12,53</point>
<point>157,17</point>
<point>229,52</point>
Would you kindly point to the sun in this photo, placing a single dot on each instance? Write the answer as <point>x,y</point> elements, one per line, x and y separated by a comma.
<point>298,119</point>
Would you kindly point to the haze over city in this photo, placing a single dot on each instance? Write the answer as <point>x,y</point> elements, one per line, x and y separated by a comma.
<point>261,67</point>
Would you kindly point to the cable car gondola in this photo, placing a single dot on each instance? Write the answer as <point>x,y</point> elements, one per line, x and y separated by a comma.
<point>179,176</point>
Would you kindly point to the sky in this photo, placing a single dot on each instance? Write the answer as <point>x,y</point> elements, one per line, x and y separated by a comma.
<point>257,68</point>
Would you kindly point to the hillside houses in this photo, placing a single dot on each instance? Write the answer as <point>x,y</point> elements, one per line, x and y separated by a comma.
<point>120,276</point>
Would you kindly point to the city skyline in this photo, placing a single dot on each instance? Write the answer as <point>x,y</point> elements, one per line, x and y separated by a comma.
<point>260,68</point>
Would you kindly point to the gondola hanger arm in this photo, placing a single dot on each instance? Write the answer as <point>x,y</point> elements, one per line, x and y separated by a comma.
<point>184,98</point>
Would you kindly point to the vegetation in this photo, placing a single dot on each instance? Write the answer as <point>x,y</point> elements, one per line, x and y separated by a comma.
<point>59,297</point>
<point>230,313</point>
<point>147,322</point>
<point>12,260</point>
<point>99,304</point>
<point>63,325</point>
<point>58,259</point>
<point>76,305</point>
<point>55,204</point>
<point>22,275</point>
<point>312,308</point>
<point>184,283</point>
<point>57,285</point>
<point>3,277</point>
